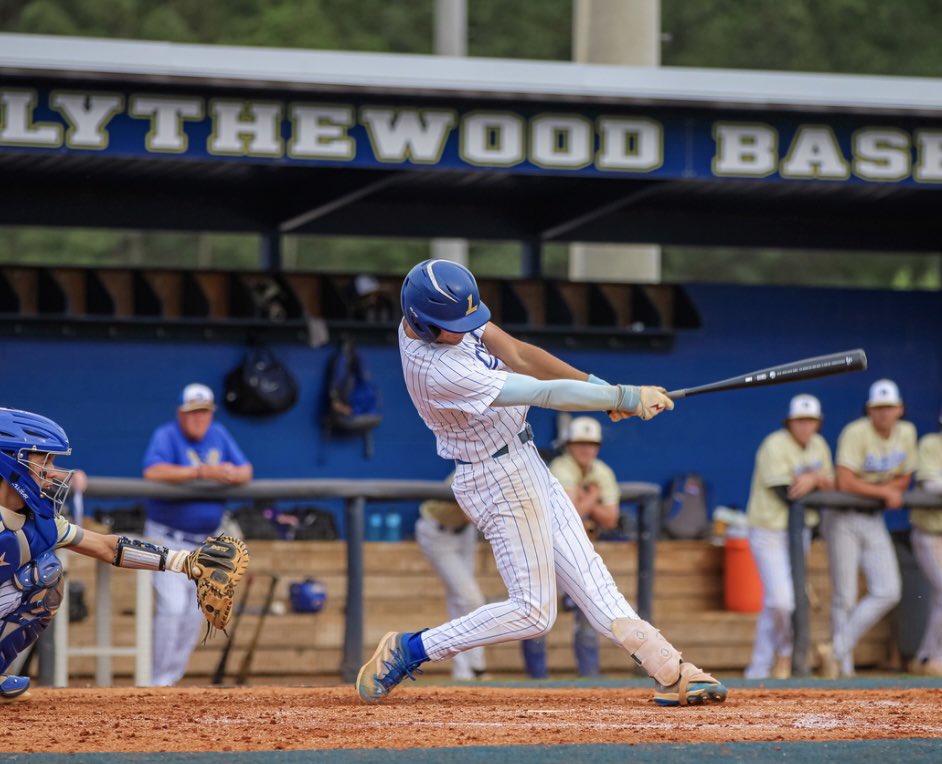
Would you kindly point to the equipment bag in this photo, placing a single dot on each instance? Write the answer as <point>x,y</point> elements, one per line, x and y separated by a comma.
<point>353,403</point>
<point>684,513</point>
<point>260,385</point>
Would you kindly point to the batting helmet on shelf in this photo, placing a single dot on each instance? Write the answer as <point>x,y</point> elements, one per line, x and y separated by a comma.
<point>308,596</point>
<point>43,487</point>
<point>440,294</point>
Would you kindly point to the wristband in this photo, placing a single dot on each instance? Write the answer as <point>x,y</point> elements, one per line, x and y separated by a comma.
<point>140,555</point>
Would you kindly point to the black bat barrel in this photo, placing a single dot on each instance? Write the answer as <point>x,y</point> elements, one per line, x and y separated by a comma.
<point>807,368</point>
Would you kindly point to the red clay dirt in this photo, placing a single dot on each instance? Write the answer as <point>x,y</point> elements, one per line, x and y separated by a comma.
<point>270,718</point>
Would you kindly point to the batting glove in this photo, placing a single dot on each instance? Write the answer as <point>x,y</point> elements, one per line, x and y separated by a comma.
<point>654,400</point>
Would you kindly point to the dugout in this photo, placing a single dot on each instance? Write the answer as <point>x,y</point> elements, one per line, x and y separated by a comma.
<point>164,136</point>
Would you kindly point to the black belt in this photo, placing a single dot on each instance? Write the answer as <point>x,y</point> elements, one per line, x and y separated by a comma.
<point>524,436</point>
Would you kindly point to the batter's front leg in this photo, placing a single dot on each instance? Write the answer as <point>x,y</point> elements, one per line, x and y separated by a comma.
<point>513,513</point>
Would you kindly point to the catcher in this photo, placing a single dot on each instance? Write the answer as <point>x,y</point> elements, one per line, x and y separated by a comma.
<point>32,491</point>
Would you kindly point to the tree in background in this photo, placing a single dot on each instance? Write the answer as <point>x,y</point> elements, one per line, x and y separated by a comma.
<point>846,36</point>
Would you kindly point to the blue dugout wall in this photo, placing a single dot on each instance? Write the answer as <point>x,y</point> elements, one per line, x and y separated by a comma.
<point>111,395</point>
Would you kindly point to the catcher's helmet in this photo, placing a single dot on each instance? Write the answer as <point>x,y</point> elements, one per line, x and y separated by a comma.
<point>440,294</point>
<point>22,433</point>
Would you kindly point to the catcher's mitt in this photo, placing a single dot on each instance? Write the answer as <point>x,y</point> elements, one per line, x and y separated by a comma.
<point>217,567</point>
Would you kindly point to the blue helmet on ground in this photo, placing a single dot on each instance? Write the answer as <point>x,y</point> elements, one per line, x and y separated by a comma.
<point>42,486</point>
<point>440,294</point>
<point>308,596</point>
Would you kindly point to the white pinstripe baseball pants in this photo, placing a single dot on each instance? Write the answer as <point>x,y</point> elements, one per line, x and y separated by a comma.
<point>858,540</point>
<point>537,537</point>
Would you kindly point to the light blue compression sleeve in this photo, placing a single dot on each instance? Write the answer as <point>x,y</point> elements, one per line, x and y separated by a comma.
<point>566,394</point>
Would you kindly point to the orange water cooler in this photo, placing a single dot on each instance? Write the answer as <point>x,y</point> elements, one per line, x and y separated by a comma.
<point>742,587</point>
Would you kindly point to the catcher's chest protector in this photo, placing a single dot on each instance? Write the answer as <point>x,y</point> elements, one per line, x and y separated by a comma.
<point>23,539</point>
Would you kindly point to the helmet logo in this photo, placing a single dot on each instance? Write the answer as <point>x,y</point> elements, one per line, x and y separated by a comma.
<point>471,308</point>
<point>431,275</point>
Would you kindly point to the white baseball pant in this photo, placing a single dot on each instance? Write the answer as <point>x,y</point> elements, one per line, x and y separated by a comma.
<point>858,540</point>
<point>178,620</point>
<point>927,548</point>
<point>774,633</point>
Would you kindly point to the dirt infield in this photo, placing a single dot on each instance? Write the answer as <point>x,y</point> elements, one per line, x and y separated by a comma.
<point>273,718</point>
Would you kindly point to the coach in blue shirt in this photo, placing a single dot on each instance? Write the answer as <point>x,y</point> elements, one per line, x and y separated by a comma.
<point>193,447</point>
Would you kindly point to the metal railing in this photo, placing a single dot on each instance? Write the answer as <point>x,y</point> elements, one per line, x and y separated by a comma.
<point>355,493</point>
<point>103,650</point>
<point>837,500</point>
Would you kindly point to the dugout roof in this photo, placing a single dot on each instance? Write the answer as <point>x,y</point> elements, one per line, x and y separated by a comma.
<point>131,134</point>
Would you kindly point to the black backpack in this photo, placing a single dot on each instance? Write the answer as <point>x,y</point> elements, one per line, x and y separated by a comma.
<point>353,403</point>
<point>260,385</point>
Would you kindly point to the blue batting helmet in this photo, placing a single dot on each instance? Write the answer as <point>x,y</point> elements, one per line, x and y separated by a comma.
<point>308,596</point>
<point>440,294</point>
<point>41,486</point>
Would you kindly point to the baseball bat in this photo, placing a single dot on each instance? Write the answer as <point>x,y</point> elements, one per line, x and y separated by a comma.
<point>807,368</point>
<point>243,673</point>
<point>220,672</point>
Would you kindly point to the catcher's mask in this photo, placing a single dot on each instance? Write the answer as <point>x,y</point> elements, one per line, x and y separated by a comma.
<point>28,445</point>
<point>440,294</point>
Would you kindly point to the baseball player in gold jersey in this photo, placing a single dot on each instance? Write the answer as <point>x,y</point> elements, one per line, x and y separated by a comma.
<point>927,548</point>
<point>790,463</point>
<point>876,457</point>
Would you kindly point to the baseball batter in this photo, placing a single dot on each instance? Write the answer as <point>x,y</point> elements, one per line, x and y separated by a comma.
<point>472,384</point>
<point>876,457</point>
<point>927,547</point>
<point>791,462</point>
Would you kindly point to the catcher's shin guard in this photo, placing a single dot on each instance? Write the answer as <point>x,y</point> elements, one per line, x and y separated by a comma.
<point>41,582</point>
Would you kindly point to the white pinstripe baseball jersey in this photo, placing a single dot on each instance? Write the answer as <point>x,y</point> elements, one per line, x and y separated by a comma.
<point>453,387</point>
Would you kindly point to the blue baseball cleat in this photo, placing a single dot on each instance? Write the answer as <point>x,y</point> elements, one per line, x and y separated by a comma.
<point>389,665</point>
<point>694,688</point>
<point>13,688</point>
